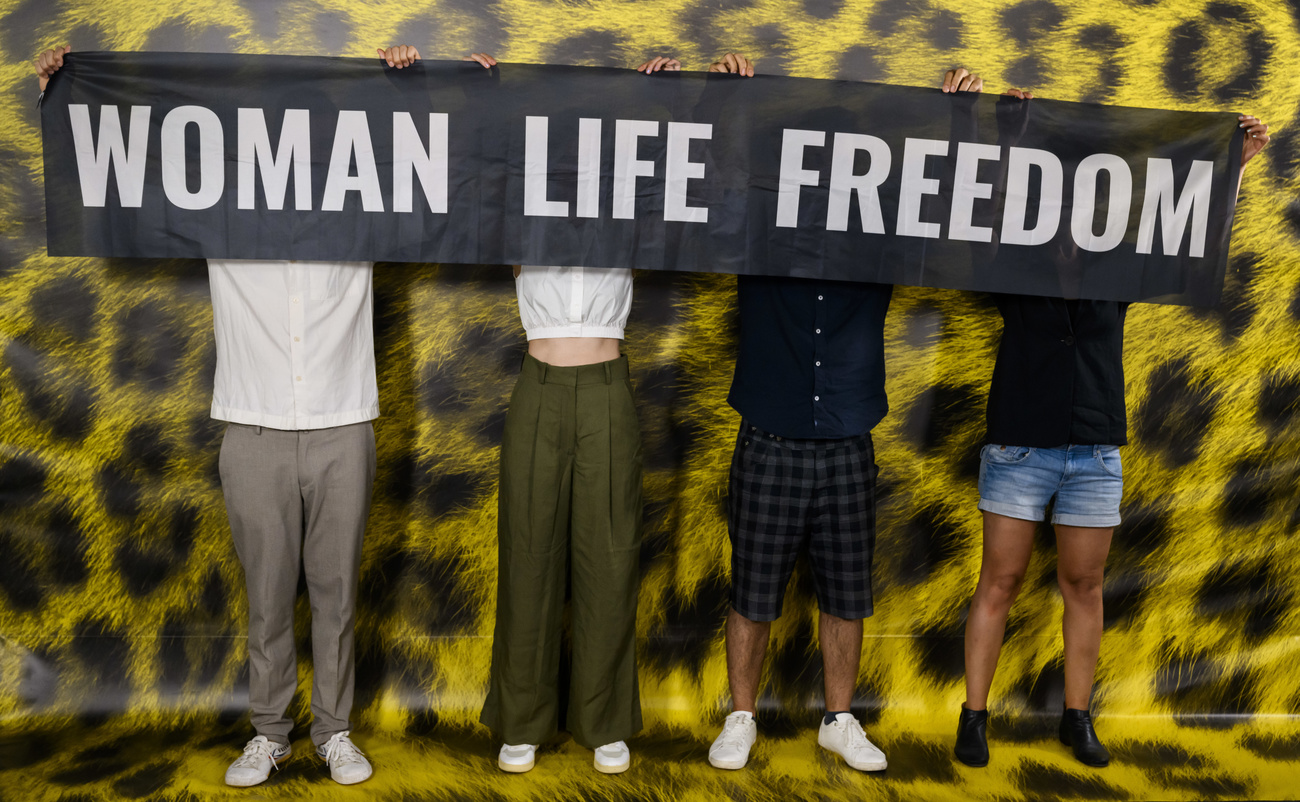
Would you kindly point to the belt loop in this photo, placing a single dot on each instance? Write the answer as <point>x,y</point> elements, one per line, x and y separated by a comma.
<point>541,372</point>
<point>259,430</point>
<point>609,374</point>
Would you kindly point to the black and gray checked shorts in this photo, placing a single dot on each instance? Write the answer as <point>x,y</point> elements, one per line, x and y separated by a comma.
<point>787,494</point>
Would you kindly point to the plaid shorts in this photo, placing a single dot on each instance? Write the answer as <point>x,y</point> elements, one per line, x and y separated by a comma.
<point>790,494</point>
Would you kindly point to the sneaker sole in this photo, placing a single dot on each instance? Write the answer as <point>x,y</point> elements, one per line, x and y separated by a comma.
<point>881,766</point>
<point>351,782</point>
<point>246,784</point>
<point>619,769</point>
<point>516,768</point>
<point>728,765</point>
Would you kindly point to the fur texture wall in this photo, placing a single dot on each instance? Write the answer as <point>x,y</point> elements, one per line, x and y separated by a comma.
<point>119,589</point>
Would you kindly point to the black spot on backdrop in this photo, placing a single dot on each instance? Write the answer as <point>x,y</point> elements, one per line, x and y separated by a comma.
<point>887,14</point>
<point>1144,529</point>
<point>681,641</point>
<point>944,30</point>
<point>797,666</point>
<point>930,539</point>
<point>912,759</point>
<point>859,64</point>
<point>22,482</point>
<point>213,599</point>
<point>150,346</point>
<point>1122,597</point>
<point>1235,309</point>
<point>592,48</point>
<point>775,47</point>
<point>450,607</point>
<point>822,9</point>
<point>1031,20</point>
<point>451,491</point>
<point>1246,85</point>
<point>182,531</point>
<point>1185,43</point>
<point>699,24</point>
<point>266,18</point>
<point>1106,41</point>
<point>1279,401</point>
<point>67,564</point>
<point>147,781</point>
<point>1041,781</point>
<point>942,412</point>
<point>1247,495</point>
<point>332,30</point>
<point>1025,72</point>
<point>172,659</point>
<point>19,582</point>
<point>1176,413</point>
<point>145,448</point>
<point>103,650</point>
<point>1250,594</point>
<point>940,648</point>
<point>1272,747</point>
<point>441,389</point>
<point>121,492</point>
<point>64,404</point>
<point>67,303</point>
<point>142,570</point>
<point>25,18</point>
<point>492,427</point>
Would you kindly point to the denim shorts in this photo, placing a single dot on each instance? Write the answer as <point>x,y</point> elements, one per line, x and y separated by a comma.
<point>1086,481</point>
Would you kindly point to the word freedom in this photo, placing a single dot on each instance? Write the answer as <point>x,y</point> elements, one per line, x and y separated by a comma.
<point>352,167</point>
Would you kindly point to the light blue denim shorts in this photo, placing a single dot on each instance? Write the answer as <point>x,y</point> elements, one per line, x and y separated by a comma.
<point>1086,481</point>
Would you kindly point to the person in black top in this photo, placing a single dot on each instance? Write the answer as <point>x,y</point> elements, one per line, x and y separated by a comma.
<point>1056,419</point>
<point>810,386</point>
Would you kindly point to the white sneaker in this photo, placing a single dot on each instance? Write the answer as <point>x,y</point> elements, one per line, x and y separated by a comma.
<point>347,764</point>
<point>516,759</point>
<point>731,748</point>
<point>254,766</point>
<point>845,737</point>
<point>613,758</point>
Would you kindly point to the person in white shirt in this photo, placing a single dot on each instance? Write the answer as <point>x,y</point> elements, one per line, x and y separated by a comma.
<point>569,514</point>
<point>295,382</point>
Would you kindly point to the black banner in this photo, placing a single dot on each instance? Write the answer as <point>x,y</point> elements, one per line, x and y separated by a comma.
<point>275,157</point>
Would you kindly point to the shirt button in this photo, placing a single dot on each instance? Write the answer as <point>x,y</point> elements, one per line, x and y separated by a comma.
<point>817,398</point>
<point>299,378</point>
<point>1068,340</point>
<point>295,339</point>
<point>818,331</point>
<point>295,300</point>
<point>819,298</point>
<point>819,364</point>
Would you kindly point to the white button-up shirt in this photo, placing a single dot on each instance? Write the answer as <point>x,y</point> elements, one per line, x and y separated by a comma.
<point>295,343</point>
<point>574,301</point>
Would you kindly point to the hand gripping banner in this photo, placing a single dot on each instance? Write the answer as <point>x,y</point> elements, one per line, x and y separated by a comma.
<point>274,157</point>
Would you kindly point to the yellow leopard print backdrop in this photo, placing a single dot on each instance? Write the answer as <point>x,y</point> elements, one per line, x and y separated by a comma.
<point>122,663</point>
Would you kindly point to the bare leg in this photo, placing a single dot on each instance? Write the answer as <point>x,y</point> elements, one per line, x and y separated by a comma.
<point>1008,543</point>
<point>746,646</point>
<point>1080,564</point>
<point>841,642</point>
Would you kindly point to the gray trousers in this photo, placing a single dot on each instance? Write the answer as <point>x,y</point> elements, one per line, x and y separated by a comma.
<point>299,496</point>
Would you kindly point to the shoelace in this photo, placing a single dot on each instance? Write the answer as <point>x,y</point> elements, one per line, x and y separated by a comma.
<point>733,732</point>
<point>857,738</point>
<point>339,750</point>
<point>255,749</point>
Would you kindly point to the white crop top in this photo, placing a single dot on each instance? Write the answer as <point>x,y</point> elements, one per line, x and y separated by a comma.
<point>574,301</point>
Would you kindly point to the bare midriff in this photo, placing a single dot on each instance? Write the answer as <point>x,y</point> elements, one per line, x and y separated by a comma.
<point>567,352</point>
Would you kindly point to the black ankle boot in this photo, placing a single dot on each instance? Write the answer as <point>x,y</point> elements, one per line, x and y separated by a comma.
<point>972,746</point>
<point>1077,733</point>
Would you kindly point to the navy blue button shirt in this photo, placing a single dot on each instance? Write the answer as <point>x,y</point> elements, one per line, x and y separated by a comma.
<point>812,356</point>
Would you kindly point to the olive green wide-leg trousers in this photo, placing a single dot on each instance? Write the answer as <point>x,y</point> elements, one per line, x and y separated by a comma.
<point>570,501</point>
